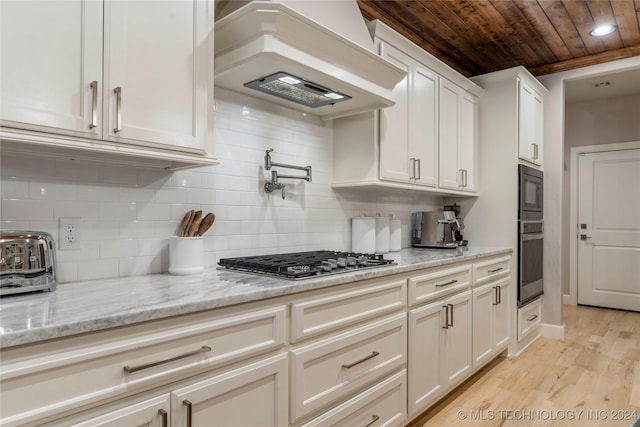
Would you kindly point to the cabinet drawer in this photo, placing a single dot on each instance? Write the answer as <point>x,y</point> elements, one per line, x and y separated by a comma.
<point>439,283</point>
<point>383,404</point>
<point>332,369</point>
<point>89,369</point>
<point>487,271</point>
<point>315,315</point>
<point>529,318</point>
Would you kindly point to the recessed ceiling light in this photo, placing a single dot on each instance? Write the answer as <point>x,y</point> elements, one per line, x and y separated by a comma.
<point>602,30</point>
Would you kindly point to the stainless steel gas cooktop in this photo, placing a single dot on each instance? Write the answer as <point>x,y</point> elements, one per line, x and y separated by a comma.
<point>303,265</point>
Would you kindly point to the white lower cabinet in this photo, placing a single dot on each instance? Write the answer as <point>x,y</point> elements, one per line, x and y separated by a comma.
<point>529,319</point>
<point>330,369</point>
<point>439,349</point>
<point>251,396</point>
<point>384,404</point>
<point>491,320</point>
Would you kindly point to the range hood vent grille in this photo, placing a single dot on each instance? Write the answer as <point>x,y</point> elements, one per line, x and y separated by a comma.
<point>297,90</point>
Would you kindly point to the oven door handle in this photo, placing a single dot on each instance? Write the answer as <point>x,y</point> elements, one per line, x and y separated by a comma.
<point>536,236</point>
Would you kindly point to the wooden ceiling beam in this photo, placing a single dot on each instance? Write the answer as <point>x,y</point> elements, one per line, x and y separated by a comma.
<point>572,64</point>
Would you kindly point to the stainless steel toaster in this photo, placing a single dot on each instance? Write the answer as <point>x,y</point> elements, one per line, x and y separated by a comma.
<point>27,262</point>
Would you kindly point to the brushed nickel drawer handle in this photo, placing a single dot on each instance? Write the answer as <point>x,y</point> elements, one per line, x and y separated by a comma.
<point>532,318</point>
<point>374,418</point>
<point>94,104</point>
<point>450,282</point>
<point>189,406</point>
<point>364,359</point>
<point>132,369</point>
<point>496,270</point>
<point>118,92</point>
<point>163,414</point>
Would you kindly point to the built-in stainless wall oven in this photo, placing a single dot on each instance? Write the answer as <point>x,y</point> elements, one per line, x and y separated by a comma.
<point>530,234</point>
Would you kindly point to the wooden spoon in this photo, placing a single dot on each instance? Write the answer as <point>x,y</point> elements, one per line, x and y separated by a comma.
<point>186,223</point>
<point>197,217</point>
<point>206,223</point>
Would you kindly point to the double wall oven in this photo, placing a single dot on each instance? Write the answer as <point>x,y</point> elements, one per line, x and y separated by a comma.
<point>530,234</point>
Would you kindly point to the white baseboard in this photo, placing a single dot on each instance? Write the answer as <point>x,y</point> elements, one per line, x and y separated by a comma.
<point>554,332</point>
<point>567,299</point>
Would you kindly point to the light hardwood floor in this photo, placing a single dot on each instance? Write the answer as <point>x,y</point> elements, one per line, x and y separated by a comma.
<point>592,378</point>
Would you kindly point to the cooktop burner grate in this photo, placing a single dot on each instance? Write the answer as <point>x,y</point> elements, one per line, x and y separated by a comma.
<point>302,265</point>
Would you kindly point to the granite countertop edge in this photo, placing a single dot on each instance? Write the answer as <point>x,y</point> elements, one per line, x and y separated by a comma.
<point>90,306</point>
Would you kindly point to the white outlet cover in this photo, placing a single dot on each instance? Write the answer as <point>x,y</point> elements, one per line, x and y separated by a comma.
<point>69,233</point>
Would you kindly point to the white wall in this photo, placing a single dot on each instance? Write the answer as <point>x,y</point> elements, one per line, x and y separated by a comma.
<point>556,211</point>
<point>127,214</point>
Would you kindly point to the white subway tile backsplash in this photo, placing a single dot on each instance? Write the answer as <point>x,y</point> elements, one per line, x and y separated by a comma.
<point>52,190</point>
<point>106,193</point>
<point>26,209</point>
<point>171,195</point>
<point>76,208</point>
<point>118,248</point>
<point>136,193</point>
<point>154,212</point>
<point>98,269</point>
<point>76,171</point>
<point>201,196</point>
<point>33,167</point>
<point>118,175</point>
<point>117,211</point>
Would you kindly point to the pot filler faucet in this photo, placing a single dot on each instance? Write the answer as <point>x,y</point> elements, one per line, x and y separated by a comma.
<point>274,184</point>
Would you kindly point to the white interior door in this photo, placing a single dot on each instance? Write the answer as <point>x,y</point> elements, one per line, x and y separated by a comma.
<point>609,229</point>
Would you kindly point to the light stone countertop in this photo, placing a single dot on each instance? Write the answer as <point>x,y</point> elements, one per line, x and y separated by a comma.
<point>81,307</point>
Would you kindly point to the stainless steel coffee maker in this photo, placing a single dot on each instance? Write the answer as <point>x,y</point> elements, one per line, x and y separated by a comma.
<point>437,229</point>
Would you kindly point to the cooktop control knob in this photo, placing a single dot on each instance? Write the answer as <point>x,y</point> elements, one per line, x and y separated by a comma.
<point>342,262</point>
<point>325,265</point>
<point>351,260</point>
<point>362,260</point>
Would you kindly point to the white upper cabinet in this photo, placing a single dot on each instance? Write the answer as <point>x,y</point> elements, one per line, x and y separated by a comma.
<point>458,124</point>
<point>115,76</point>
<point>530,123</point>
<point>51,54</point>
<point>409,129</point>
<point>407,145</point>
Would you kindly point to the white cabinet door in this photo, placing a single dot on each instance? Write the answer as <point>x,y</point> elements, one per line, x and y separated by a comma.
<point>483,335</point>
<point>502,315</point>
<point>457,137</point>
<point>152,413</point>
<point>423,133</point>
<point>251,396</point>
<point>491,320</point>
<point>448,149</point>
<point>467,140</point>
<point>425,362</point>
<point>394,123</point>
<point>51,53</point>
<point>530,119</point>
<point>457,340</point>
<point>155,66</point>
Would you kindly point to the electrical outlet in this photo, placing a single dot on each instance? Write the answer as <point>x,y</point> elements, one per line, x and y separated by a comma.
<point>69,233</point>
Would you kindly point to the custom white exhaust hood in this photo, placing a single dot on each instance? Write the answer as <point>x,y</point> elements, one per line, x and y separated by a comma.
<point>324,47</point>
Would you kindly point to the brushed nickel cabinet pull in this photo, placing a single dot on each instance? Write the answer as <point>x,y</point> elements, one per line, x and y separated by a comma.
<point>451,305</point>
<point>446,317</point>
<point>495,295</point>
<point>419,170</point>
<point>163,414</point>
<point>132,369</point>
<point>374,418</point>
<point>496,270</point>
<point>412,168</point>
<point>532,318</point>
<point>189,406</point>
<point>94,104</point>
<point>499,294</point>
<point>450,282</point>
<point>364,359</point>
<point>464,175</point>
<point>118,92</point>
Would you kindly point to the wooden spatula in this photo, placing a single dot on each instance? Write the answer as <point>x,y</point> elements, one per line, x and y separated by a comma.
<point>186,223</point>
<point>195,224</point>
<point>206,223</point>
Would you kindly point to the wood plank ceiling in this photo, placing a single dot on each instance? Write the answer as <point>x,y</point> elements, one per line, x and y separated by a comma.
<point>545,36</point>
